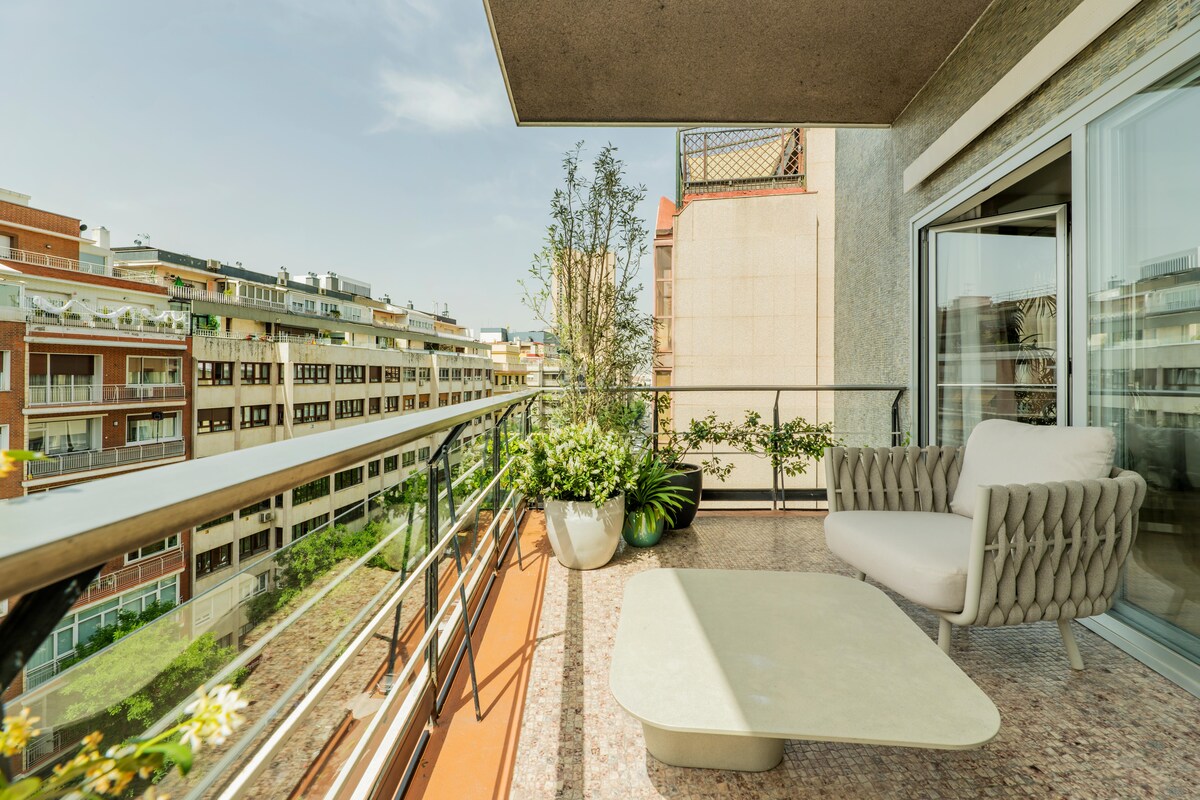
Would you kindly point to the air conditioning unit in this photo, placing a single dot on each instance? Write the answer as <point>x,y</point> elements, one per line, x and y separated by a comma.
<point>213,265</point>
<point>266,516</point>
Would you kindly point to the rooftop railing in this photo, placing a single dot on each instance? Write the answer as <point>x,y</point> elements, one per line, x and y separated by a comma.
<point>732,159</point>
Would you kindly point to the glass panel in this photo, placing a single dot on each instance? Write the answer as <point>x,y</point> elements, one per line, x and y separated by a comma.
<point>997,317</point>
<point>1144,338</point>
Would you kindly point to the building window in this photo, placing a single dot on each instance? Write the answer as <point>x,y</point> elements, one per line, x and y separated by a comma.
<point>250,511</point>
<point>409,402</point>
<point>153,370</point>
<point>254,544</point>
<point>255,373</point>
<point>455,397</point>
<point>5,370</point>
<point>373,405</point>
<point>311,491</point>
<point>391,374</point>
<point>212,523</point>
<point>348,408</point>
<point>347,478</point>
<point>376,374</point>
<point>443,399</point>
<point>256,416</point>
<point>391,403</point>
<point>351,373</point>
<point>443,373</point>
<point>423,454</point>
<point>350,512</point>
<point>312,373</point>
<point>373,469</point>
<point>391,463</point>
<point>423,373</point>
<point>214,373</point>
<point>409,458</point>
<point>308,526</point>
<point>169,543</point>
<point>145,428</point>
<point>456,374</point>
<point>214,420</point>
<point>410,373</point>
<point>210,561</point>
<point>310,412</point>
<point>423,401</point>
<point>279,372</point>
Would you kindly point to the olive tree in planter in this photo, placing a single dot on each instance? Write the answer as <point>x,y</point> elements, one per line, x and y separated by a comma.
<point>583,286</point>
<point>582,474</point>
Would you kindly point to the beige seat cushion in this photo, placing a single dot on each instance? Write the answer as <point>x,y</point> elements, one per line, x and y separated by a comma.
<point>1000,452</point>
<point>920,554</point>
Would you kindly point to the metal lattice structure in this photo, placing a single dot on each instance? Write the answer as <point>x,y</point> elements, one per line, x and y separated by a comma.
<point>739,159</point>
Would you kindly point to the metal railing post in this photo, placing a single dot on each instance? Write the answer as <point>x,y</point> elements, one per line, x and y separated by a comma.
<point>776,470</point>
<point>431,575</point>
<point>897,440</point>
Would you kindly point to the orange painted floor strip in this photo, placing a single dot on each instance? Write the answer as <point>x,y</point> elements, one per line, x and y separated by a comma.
<point>466,758</point>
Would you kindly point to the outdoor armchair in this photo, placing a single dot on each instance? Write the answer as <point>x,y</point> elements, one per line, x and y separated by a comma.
<point>1028,552</point>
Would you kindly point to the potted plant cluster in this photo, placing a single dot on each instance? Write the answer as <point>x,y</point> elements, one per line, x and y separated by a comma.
<point>582,474</point>
<point>653,498</point>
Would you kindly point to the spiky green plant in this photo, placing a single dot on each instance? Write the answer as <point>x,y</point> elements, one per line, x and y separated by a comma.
<point>652,492</point>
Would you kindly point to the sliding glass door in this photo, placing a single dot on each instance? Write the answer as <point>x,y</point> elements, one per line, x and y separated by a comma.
<point>997,338</point>
<point>1143,337</point>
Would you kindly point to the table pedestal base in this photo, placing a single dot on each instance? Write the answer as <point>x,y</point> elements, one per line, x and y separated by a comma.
<point>713,750</point>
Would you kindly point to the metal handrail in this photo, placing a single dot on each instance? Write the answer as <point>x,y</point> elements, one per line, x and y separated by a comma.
<point>777,490</point>
<point>64,534</point>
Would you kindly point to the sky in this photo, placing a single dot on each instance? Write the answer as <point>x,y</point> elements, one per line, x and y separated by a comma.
<point>372,138</point>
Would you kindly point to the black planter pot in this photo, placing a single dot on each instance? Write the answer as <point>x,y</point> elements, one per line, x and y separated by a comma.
<point>689,477</point>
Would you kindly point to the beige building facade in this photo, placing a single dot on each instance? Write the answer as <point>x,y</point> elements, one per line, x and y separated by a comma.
<point>744,280</point>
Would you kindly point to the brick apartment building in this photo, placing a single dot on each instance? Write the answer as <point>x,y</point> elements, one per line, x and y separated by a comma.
<point>92,377</point>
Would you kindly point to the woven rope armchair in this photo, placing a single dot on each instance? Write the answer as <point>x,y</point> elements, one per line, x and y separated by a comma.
<point>1050,551</point>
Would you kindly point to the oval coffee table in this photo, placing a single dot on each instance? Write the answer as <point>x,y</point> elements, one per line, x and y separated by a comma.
<point>721,666</point>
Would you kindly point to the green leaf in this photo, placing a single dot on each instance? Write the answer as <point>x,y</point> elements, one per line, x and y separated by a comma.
<point>21,789</point>
<point>180,753</point>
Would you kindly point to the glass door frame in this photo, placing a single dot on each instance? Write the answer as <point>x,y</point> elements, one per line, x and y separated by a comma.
<point>1063,307</point>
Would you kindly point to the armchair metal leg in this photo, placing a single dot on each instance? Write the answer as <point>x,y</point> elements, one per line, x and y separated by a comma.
<point>944,631</point>
<point>1068,637</point>
<point>862,576</point>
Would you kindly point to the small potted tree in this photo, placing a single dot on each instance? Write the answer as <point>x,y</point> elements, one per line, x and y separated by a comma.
<point>651,500</point>
<point>582,474</point>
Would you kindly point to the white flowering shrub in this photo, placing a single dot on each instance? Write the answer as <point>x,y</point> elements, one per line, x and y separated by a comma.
<point>575,462</point>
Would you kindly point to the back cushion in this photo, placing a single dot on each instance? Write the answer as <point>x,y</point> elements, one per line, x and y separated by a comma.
<point>1001,452</point>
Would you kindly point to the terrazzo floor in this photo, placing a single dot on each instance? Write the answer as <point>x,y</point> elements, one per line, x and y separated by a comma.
<point>1115,730</point>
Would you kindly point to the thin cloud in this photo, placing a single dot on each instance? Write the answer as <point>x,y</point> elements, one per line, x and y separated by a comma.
<point>436,102</point>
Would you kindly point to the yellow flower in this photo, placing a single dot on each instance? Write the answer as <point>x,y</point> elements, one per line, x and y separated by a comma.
<point>104,778</point>
<point>10,458</point>
<point>213,717</point>
<point>18,730</point>
<point>153,794</point>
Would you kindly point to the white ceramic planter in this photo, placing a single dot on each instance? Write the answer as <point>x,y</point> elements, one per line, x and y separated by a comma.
<point>582,535</point>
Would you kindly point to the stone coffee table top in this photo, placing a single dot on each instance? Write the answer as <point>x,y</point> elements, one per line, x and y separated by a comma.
<point>779,655</point>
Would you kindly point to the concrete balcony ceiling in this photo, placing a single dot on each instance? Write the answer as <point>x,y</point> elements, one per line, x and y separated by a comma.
<point>669,62</point>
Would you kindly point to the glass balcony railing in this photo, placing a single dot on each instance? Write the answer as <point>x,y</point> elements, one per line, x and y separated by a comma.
<point>346,638</point>
<point>369,603</point>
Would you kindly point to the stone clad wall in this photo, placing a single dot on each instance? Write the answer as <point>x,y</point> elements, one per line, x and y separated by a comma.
<point>873,322</point>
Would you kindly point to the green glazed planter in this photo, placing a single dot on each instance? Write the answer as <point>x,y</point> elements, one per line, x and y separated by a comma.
<point>642,530</point>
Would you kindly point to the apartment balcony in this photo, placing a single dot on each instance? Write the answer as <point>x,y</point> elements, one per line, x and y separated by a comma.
<point>106,459</point>
<point>50,399</point>
<point>40,321</point>
<point>361,684</point>
<point>46,260</point>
